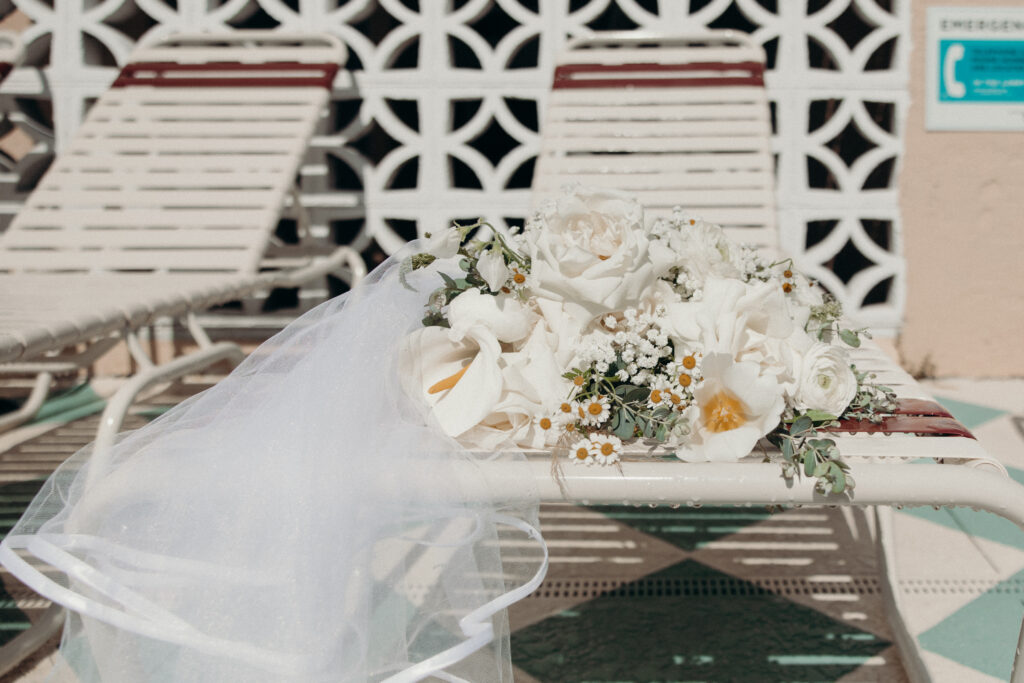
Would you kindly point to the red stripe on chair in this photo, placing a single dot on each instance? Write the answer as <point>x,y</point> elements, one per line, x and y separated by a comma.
<point>581,75</point>
<point>905,424</point>
<point>155,75</point>
<point>916,406</point>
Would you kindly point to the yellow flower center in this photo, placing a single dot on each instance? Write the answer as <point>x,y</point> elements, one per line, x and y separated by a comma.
<point>545,423</point>
<point>607,448</point>
<point>655,396</point>
<point>448,382</point>
<point>578,380</point>
<point>582,453</point>
<point>689,362</point>
<point>519,278</point>
<point>684,380</point>
<point>565,408</point>
<point>787,273</point>
<point>723,412</point>
<point>595,408</point>
<point>693,222</point>
<point>786,287</point>
<point>675,399</point>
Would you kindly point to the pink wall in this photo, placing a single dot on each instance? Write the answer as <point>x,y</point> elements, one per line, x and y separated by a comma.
<point>963,220</point>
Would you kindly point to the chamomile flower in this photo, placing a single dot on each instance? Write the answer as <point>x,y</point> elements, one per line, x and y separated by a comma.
<point>594,410</point>
<point>605,448</point>
<point>518,279</point>
<point>659,394</point>
<point>566,411</point>
<point>580,453</point>
<point>548,426</point>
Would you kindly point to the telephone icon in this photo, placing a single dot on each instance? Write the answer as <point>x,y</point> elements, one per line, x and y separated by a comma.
<point>953,87</point>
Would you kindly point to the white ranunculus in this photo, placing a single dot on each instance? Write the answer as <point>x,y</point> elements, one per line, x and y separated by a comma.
<point>826,381</point>
<point>443,243</point>
<point>736,406</point>
<point>591,247</point>
<point>492,268</point>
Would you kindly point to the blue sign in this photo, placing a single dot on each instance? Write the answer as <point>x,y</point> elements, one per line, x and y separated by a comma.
<point>981,71</point>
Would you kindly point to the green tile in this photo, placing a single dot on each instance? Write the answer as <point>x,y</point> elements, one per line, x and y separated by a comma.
<point>645,635</point>
<point>983,633</point>
<point>971,415</point>
<point>979,523</point>
<point>71,405</point>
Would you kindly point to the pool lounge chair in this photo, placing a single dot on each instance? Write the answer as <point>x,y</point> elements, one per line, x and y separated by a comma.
<point>685,120</point>
<point>163,206</point>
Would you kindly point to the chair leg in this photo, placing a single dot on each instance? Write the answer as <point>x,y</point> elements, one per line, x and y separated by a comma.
<point>28,410</point>
<point>24,644</point>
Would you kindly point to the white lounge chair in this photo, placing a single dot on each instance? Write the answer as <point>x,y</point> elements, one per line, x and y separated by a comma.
<point>684,120</point>
<point>164,205</point>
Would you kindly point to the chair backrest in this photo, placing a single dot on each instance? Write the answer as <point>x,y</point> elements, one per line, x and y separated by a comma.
<point>184,165</point>
<point>680,120</point>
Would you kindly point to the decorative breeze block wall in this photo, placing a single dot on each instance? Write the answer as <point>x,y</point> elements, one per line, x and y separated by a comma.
<point>439,114</point>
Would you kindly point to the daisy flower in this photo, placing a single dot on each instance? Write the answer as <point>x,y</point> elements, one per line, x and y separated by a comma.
<point>547,426</point>
<point>518,279</point>
<point>580,453</point>
<point>594,410</point>
<point>605,448</point>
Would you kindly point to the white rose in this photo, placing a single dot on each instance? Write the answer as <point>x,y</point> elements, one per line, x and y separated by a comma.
<point>591,247</point>
<point>736,406</point>
<point>443,243</point>
<point>492,268</point>
<point>826,381</point>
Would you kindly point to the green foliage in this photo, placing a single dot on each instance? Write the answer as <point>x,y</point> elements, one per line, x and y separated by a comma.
<point>806,453</point>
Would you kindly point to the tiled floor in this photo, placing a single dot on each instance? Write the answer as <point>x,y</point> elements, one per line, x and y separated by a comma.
<point>718,594</point>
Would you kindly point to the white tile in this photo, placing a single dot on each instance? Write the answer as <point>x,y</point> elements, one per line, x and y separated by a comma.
<point>945,670</point>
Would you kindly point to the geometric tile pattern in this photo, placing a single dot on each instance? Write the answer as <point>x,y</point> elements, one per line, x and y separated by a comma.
<point>708,594</point>
<point>963,587</point>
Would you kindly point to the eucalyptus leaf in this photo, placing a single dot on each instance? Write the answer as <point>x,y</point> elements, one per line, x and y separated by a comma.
<point>850,338</point>
<point>448,281</point>
<point>465,264</point>
<point>800,425</point>
<point>624,425</point>
<point>820,416</point>
<point>838,481</point>
<point>809,463</point>
<point>787,449</point>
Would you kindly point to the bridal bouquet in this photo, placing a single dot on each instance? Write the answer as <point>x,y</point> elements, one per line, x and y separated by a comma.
<point>589,330</point>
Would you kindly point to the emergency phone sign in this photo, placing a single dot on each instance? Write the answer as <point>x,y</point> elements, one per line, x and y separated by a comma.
<point>974,69</point>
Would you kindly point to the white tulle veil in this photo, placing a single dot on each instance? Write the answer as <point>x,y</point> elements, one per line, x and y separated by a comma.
<point>302,520</point>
